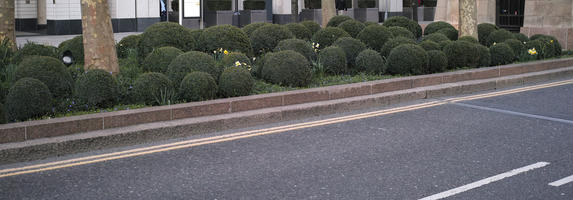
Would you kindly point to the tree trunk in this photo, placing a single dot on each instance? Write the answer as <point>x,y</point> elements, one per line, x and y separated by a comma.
<point>99,43</point>
<point>7,22</point>
<point>294,10</point>
<point>468,18</point>
<point>328,11</point>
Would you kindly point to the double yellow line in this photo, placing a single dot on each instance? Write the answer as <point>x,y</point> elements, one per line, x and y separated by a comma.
<point>248,134</point>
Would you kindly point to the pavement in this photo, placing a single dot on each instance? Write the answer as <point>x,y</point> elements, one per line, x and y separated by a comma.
<point>55,40</point>
<point>512,146</point>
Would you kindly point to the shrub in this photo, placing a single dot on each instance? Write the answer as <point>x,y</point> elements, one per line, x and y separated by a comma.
<point>196,33</point>
<point>75,71</point>
<point>299,31</point>
<point>300,46</point>
<point>371,62</point>
<point>152,87</point>
<point>326,36</point>
<point>484,30</point>
<point>236,81</point>
<point>385,51</point>
<point>538,45</point>
<point>521,37</point>
<point>266,38</point>
<point>32,49</point>
<point>517,46</point>
<point>444,43</point>
<point>452,34</point>
<point>74,48</point>
<point>398,31</point>
<point>287,68</point>
<point>352,27</point>
<point>368,23</point>
<point>97,88</point>
<point>436,26</point>
<point>501,54</point>
<point>230,59</point>
<point>429,45</point>
<point>227,37</point>
<point>352,47</point>
<point>257,67</point>
<point>312,26</point>
<point>499,36</point>
<point>436,37</point>
<point>198,86</point>
<point>190,62</point>
<point>127,44</point>
<point>374,36</point>
<point>437,61</point>
<point>536,36</point>
<point>483,56</point>
<point>469,39</point>
<point>460,54</point>
<point>28,98</point>
<point>249,29</point>
<point>337,20</point>
<point>165,34</point>
<point>50,71</point>
<point>551,47</point>
<point>333,60</point>
<point>159,59</point>
<point>407,59</point>
<point>401,21</point>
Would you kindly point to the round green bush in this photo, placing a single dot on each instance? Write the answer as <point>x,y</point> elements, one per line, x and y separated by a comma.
<point>451,33</point>
<point>287,68</point>
<point>227,37</point>
<point>517,46</point>
<point>484,30</point>
<point>368,23</point>
<point>74,48</point>
<point>196,33</point>
<point>198,86</point>
<point>190,62</point>
<point>233,57</point>
<point>371,62</point>
<point>32,49</point>
<point>333,60</point>
<point>536,36</point>
<point>28,98</point>
<point>312,26</point>
<point>407,59</point>
<point>437,61</point>
<point>374,36</point>
<point>266,38</point>
<point>327,36</point>
<point>501,54</point>
<point>469,39</point>
<point>127,44</point>
<point>521,37</point>
<point>249,29</point>
<point>436,26</point>
<point>236,81</point>
<point>159,59</point>
<point>429,45</point>
<point>499,36</point>
<point>50,71</point>
<point>352,27</point>
<point>300,46</point>
<point>165,34</point>
<point>551,47</point>
<point>337,20</point>
<point>483,56</point>
<point>393,43</point>
<point>352,47</point>
<point>76,70</point>
<point>444,43</point>
<point>460,54</point>
<point>299,31</point>
<point>436,37</point>
<point>398,31</point>
<point>97,88</point>
<point>401,21</point>
<point>152,87</point>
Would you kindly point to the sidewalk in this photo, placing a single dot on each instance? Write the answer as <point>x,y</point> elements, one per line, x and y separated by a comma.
<point>55,40</point>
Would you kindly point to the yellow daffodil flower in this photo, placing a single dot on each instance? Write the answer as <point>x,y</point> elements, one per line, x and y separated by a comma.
<point>226,52</point>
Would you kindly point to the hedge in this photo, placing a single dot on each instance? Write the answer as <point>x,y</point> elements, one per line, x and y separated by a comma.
<point>153,88</point>
<point>266,38</point>
<point>437,61</point>
<point>352,27</point>
<point>165,34</point>
<point>407,59</point>
<point>387,48</point>
<point>501,54</point>
<point>287,68</point>
<point>50,71</point>
<point>429,45</point>
<point>236,81</point>
<point>312,26</point>
<point>300,46</point>
<point>436,37</point>
<point>127,44</point>
<point>249,29</point>
<point>401,21</point>
<point>97,88</point>
<point>337,20</point>
<point>436,26</point>
<point>352,47</point>
<point>333,60</point>
<point>484,30</point>
<point>27,98</point>
<point>74,48</point>
<point>190,62</point>
<point>159,59</point>
<point>32,49</point>
<point>499,36</point>
<point>299,31</point>
<point>374,36</point>
<point>198,86</point>
<point>227,37</point>
<point>371,62</point>
<point>326,36</point>
<point>398,31</point>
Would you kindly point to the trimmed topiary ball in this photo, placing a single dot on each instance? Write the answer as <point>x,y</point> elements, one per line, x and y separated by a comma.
<point>501,54</point>
<point>159,59</point>
<point>287,68</point>
<point>368,23</point>
<point>436,37</point>
<point>250,28</point>
<point>33,49</point>
<point>352,27</point>
<point>536,36</point>
<point>236,81</point>
<point>128,43</point>
<point>73,48</point>
<point>407,59</point>
<point>374,36</point>
<point>312,26</point>
<point>436,26</point>
<point>552,47</point>
<point>299,31</point>
<point>337,20</point>
<point>333,60</point>
<point>371,62</point>
<point>401,21</point>
<point>190,62</point>
<point>521,37</point>
<point>152,88</point>
<point>196,33</point>
<point>444,43</point>
<point>398,31</point>
<point>484,30</point>
<point>300,46</point>
<point>28,98</point>
<point>460,54</point>
<point>165,34</point>
<point>437,61</point>
<point>394,42</point>
<point>499,36</point>
<point>517,46</point>
<point>452,34</point>
<point>326,36</point>
<point>483,55</point>
<point>352,47</point>
<point>227,37</point>
<point>50,71</point>
<point>266,38</point>
<point>469,39</point>
<point>198,86</point>
<point>429,45</point>
<point>233,57</point>
<point>97,88</point>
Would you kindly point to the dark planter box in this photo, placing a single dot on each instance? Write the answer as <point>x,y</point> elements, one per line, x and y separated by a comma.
<point>312,15</point>
<point>252,16</point>
<point>219,17</point>
<point>366,14</point>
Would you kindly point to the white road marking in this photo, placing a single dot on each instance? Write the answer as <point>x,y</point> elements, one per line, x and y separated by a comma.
<point>485,181</point>
<point>562,181</point>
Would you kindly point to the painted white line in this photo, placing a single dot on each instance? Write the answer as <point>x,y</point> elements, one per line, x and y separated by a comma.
<point>562,181</point>
<point>485,181</point>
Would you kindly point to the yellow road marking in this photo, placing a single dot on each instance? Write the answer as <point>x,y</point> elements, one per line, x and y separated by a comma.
<point>248,134</point>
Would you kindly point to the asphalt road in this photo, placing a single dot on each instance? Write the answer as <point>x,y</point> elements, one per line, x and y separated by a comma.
<point>503,147</point>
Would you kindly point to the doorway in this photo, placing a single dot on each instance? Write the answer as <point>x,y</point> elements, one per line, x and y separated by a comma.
<point>509,14</point>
